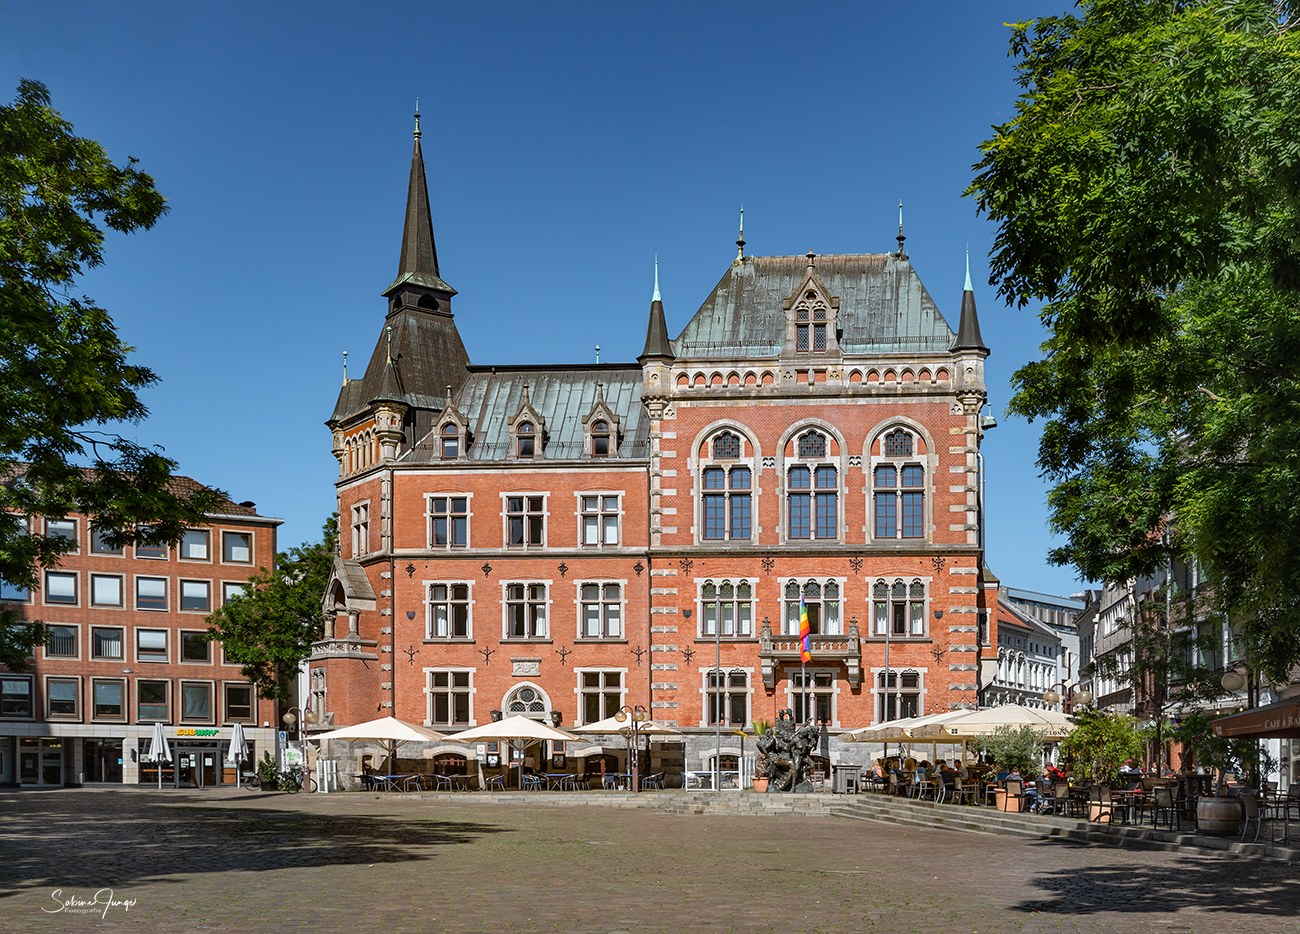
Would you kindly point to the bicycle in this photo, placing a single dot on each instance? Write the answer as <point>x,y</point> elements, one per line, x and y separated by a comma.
<point>249,780</point>
<point>296,779</point>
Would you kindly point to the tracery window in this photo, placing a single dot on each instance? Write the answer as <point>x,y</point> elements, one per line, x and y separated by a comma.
<point>899,492</point>
<point>726,609</point>
<point>822,601</point>
<point>727,513</point>
<point>726,446</point>
<point>899,609</point>
<point>526,701</point>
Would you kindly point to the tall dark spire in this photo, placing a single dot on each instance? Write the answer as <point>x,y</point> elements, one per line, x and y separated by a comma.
<point>657,345</point>
<point>418,263</point>
<point>968,331</point>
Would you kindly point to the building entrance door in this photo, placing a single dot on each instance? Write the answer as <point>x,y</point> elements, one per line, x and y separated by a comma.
<point>40,762</point>
<point>196,767</point>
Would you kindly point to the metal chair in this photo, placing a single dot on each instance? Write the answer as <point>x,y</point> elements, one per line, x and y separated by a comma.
<point>1257,812</point>
<point>442,783</point>
<point>494,781</point>
<point>1164,805</point>
<point>1100,805</point>
<point>1014,791</point>
<point>653,781</point>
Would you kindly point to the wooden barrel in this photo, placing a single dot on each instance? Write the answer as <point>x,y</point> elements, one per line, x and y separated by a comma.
<point>1219,817</point>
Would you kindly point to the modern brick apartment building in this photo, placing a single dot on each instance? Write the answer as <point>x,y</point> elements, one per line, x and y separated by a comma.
<point>560,541</point>
<point>126,651</point>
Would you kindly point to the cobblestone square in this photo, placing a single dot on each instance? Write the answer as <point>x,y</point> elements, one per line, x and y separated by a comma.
<point>239,861</point>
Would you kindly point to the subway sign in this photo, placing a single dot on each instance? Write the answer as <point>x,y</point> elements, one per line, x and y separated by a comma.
<point>198,732</point>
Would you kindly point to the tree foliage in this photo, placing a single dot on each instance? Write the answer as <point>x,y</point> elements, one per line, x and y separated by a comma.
<point>63,369</point>
<point>269,630</point>
<point>1020,748</point>
<point>1101,743</point>
<point>1148,192</point>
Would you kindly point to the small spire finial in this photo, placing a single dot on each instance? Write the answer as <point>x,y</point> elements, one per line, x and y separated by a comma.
<point>812,259</point>
<point>740,244</point>
<point>345,368</point>
<point>968,285</point>
<point>597,354</point>
<point>388,334</point>
<point>900,238</point>
<point>417,118</point>
<point>655,297</point>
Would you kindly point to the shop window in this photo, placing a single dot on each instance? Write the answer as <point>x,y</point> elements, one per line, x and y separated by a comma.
<point>237,547</point>
<point>195,647</point>
<point>62,642</point>
<point>109,704</point>
<point>61,698</point>
<point>151,700</point>
<point>194,545</point>
<point>196,596</point>
<point>60,587</point>
<point>450,521</point>
<point>151,645</point>
<point>822,602</point>
<point>239,702</point>
<point>600,516</point>
<point>448,611</point>
<point>726,608</point>
<point>602,611</point>
<point>196,702</point>
<point>602,694</point>
<point>106,643</point>
<point>105,590</point>
<point>727,696</point>
<point>526,611</point>
<point>151,593</point>
<point>15,697</point>
<point>102,760</point>
<point>450,698</point>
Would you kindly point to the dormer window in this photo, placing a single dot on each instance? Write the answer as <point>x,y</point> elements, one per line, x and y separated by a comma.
<point>810,326</point>
<point>527,439</point>
<point>600,439</point>
<point>450,441</point>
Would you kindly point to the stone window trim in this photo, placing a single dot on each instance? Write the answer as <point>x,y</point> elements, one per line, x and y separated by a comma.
<point>581,690</point>
<point>528,601</point>
<point>527,432</point>
<point>431,605</point>
<point>61,588</point>
<point>915,599</point>
<point>101,591</point>
<point>431,517</point>
<point>99,547</point>
<point>527,513</point>
<point>14,713</point>
<point>604,601</point>
<point>67,527</point>
<point>789,627</point>
<point>230,547</point>
<point>600,430</point>
<point>811,318</point>
<point>731,688</point>
<point>111,639</point>
<point>211,687</point>
<point>449,691</point>
<point>149,582</point>
<point>152,646</point>
<point>191,592</point>
<point>184,659</point>
<point>785,463</point>
<point>76,716</point>
<point>880,689</point>
<point>601,513</point>
<point>226,716</point>
<point>193,542</point>
<point>704,631</point>
<point>58,643</point>
<point>723,508</point>
<point>541,699</point>
<point>228,587</point>
<point>929,464</point>
<point>165,704</point>
<point>824,682</point>
<point>125,703</point>
<point>359,513</point>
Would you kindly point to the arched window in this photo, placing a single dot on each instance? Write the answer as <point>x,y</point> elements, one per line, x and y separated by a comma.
<point>726,446</point>
<point>813,496</point>
<point>527,439</point>
<point>899,610</point>
<point>899,496</point>
<point>450,441</point>
<point>812,444</point>
<point>526,701</point>
<point>821,600</point>
<point>898,443</point>
<point>600,439</point>
<point>728,606</point>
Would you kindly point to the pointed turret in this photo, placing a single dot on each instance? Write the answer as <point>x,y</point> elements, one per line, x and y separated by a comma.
<point>657,345</point>
<point>968,331</point>
<point>418,264</point>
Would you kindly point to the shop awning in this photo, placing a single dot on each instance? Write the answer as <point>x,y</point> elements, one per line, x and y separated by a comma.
<point>1280,720</point>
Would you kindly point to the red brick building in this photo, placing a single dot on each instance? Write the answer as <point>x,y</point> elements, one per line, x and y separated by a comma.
<point>127,651</point>
<point>564,540</point>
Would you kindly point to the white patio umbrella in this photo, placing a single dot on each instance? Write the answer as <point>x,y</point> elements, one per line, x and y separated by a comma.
<point>389,732</point>
<point>1052,723</point>
<point>515,731</point>
<point>238,750</point>
<point>158,751</point>
<point>613,725</point>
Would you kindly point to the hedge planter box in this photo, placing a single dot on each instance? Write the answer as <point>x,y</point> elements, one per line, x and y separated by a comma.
<point>1219,817</point>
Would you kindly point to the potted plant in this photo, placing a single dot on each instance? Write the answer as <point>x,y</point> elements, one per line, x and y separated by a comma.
<point>267,773</point>
<point>1019,749</point>
<point>1219,814</point>
<point>1100,744</point>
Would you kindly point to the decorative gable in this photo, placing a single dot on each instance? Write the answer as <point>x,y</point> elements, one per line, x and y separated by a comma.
<point>811,320</point>
<point>600,428</point>
<point>527,431</point>
<point>453,431</point>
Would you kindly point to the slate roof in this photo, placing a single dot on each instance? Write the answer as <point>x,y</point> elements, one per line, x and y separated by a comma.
<point>884,307</point>
<point>563,396</point>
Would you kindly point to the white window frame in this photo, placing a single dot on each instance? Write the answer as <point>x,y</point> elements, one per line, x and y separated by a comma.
<point>580,609</point>
<point>429,691</point>
<point>359,516</point>
<point>790,627</point>
<point>580,515</point>
<point>429,517</point>
<point>878,692</point>
<point>580,692</point>
<point>430,603</point>
<point>702,629</point>
<point>909,622</point>
<point>506,514</point>
<point>792,691</point>
<point>505,609</point>
<point>728,691</point>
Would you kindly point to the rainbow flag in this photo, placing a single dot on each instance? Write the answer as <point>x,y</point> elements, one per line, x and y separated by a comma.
<point>805,632</point>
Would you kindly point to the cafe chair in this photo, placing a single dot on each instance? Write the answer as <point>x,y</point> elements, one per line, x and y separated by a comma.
<point>497,782</point>
<point>1100,805</point>
<point>1257,810</point>
<point>653,781</point>
<point>1015,791</point>
<point>1166,808</point>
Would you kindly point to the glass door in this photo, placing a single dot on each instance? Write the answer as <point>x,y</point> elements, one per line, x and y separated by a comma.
<point>207,767</point>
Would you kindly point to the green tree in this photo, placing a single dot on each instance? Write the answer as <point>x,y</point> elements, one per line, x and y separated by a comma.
<point>1019,747</point>
<point>269,630</point>
<point>64,372</point>
<point>1147,191</point>
<point>1101,743</point>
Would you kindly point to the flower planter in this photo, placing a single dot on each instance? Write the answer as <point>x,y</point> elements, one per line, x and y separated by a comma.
<point>271,785</point>
<point>1219,817</point>
<point>760,784</point>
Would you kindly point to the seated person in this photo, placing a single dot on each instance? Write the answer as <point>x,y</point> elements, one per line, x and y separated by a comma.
<point>962,770</point>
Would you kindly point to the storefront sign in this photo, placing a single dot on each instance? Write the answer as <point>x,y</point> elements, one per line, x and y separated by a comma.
<point>184,732</point>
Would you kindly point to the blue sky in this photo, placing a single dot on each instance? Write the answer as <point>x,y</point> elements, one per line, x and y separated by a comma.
<point>566,146</point>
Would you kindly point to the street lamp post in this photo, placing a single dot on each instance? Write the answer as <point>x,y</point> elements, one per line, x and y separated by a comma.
<point>1074,694</point>
<point>633,717</point>
<point>289,720</point>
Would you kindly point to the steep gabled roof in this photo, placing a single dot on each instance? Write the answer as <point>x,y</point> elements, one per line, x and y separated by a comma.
<point>884,308</point>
